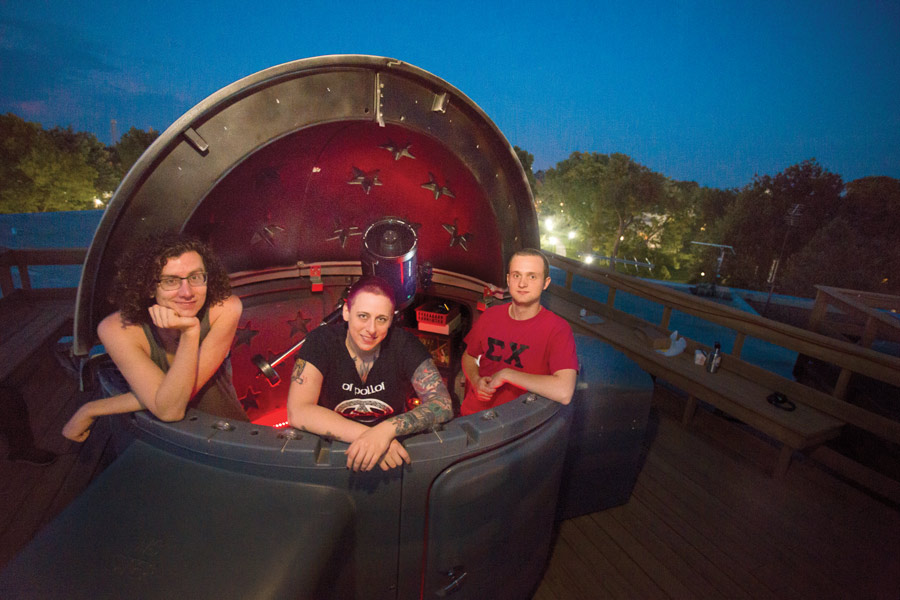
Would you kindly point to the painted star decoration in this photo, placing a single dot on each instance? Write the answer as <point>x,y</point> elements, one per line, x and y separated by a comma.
<point>366,180</point>
<point>243,335</point>
<point>266,234</point>
<point>396,150</point>
<point>299,325</point>
<point>249,399</point>
<point>343,233</point>
<point>455,238</point>
<point>436,189</point>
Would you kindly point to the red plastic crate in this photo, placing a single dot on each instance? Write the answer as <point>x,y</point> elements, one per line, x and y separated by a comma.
<point>427,313</point>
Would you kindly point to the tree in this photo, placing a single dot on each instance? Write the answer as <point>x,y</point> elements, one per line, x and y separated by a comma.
<point>56,180</point>
<point>130,147</point>
<point>96,154</point>
<point>46,170</point>
<point>610,197</point>
<point>871,212</point>
<point>17,137</point>
<point>758,223</point>
<point>61,169</point>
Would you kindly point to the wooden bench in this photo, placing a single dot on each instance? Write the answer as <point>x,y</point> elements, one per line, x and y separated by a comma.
<point>738,388</point>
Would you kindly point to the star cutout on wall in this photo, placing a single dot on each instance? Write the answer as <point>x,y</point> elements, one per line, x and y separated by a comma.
<point>396,150</point>
<point>243,335</point>
<point>342,233</point>
<point>437,190</point>
<point>249,399</point>
<point>366,180</point>
<point>455,238</point>
<point>299,325</point>
<point>266,234</point>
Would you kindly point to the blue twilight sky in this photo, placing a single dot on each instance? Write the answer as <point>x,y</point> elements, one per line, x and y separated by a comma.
<point>707,91</point>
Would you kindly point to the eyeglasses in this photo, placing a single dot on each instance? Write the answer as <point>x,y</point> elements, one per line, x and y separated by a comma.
<point>172,282</point>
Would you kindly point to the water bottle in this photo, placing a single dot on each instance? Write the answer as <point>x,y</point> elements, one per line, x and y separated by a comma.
<point>715,357</point>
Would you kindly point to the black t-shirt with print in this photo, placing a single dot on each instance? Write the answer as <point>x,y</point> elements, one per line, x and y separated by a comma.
<point>388,384</point>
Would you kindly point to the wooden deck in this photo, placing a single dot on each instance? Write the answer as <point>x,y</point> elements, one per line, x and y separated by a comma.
<point>707,522</point>
<point>705,519</point>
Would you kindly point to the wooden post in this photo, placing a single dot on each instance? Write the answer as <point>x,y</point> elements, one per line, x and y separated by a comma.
<point>870,332</point>
<point>611,297</point>
<point>738,344</point>
<point>6,282</point>
<point>24,276</point>
<point>667,314</point>
<point>569,280</point>
<point>784,461</point>
<point>820,309</point>
<point>840,388</point>
<point>690,407</point>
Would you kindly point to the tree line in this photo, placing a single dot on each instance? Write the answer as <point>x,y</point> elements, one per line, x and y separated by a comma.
<point>797,228</point>
<point>60,169</point>
<point>800,227</point>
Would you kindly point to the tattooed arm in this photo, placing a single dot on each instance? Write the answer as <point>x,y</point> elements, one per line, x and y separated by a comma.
<point>434,402</point>
<point>304,411</point>
<point>379,446</point>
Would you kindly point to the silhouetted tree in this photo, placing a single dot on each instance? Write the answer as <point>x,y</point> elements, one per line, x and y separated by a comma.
<point>130,146</point>
<point>758,226</point>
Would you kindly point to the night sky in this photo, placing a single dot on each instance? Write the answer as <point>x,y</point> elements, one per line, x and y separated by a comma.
<point>712,92</point>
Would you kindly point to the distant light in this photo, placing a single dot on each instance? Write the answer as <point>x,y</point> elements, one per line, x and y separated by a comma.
<point>548,223</point>
<point>589,259</point>
<point>621,238</point>
<point>571,235</point>
<point>702,273</point>
<point>553,241</point>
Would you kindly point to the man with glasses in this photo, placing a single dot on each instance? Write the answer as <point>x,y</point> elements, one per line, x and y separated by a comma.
<point>171,336</point>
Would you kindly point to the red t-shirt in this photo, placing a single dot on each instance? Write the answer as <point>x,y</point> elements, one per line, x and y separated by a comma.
<point>541,345</point>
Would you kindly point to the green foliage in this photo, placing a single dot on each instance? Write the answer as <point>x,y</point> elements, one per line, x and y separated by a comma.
<point>60,169</point>
<point>837,255</point>
<point>759,226</point>
<point>55,180</point>
<point>130,146</point>
<point>841,237</point>
<point>623,209</point>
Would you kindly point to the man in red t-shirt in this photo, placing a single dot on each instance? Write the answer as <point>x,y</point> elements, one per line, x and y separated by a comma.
<point>521,346</point>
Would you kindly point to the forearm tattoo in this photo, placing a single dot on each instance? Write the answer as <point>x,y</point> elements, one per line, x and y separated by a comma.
<point>297,373</point>
<point>435,406</point>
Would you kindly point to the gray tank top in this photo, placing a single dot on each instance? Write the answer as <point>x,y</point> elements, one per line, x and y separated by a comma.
<point>218,397</point>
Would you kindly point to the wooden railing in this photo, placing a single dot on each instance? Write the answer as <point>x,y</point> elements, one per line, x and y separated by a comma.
<point>865,318</point>
<point>22,259</point>
<point>847,356</point>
